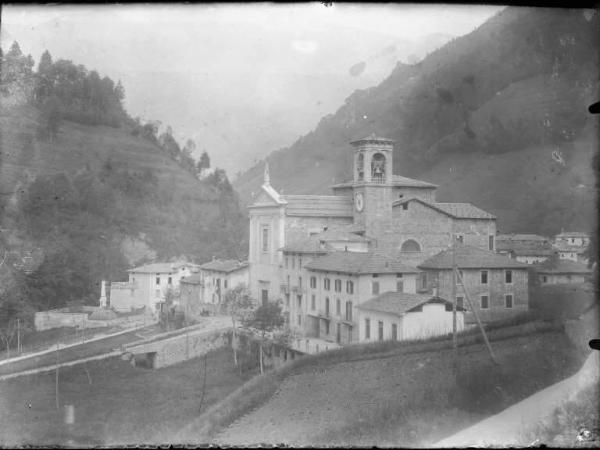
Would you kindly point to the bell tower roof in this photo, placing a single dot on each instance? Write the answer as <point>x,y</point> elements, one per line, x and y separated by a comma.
<point>372,139</point>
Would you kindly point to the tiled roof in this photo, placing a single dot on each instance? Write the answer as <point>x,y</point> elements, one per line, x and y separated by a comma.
<point>224,265</point>
<point>161,267</point>
<point>358,263</point>
<point>468,257</point>
<point>562,247</point>
<point>525,247</point>
<point>305,245</point>
<point>572,234</point>
<point>318,205</point>
<point>562,266</point>
<point>373,138</point>
<point>521,237</point>
<point>397,180</point>
<point>456,210</point>
<point>400,303</point>
<point>192,279</point>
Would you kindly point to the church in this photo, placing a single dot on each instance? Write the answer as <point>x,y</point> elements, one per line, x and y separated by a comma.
<point>343,263</point>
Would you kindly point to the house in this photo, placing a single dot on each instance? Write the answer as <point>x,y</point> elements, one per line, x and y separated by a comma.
<point>148,285</point>
<point>572,245</point>
<point>339,282</point>
<point>561,271</point>
<point>401,316</point>
<point>525,248</point>
<point>296,240</point>
<point>496,284</point>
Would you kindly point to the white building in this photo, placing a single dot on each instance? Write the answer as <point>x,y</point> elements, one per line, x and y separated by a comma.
<point>148,284</point>
<point>402,316</point>
<point>572,245</point>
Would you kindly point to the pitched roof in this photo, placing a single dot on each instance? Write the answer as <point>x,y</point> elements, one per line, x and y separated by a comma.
<point>341,235</point>
<point>573,234</point>
<point>397,180</point>
<point>456,210</point>
<point>171,267</point>
<point>224,265</point>
<point>373,138</point>
<point>467,257</point>
<point>318,205</point>
<point>561,266</point>
<point>521,237</point>
<point>524,247</point>
<point>400,303</point>
<point>358,263</point>
<point>563,247</point>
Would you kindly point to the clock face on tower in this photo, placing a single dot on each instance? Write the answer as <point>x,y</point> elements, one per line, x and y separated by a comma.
<point>359,201</point>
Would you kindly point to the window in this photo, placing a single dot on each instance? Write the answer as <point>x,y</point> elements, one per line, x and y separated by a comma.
<point>299,319</point>
<point>338,307</point>
<point>508,301</point>
<point>293,262</point>
<point>410,246</point>
<point>394,332</point>
<point>424,280</point>
<point>484,277</point>
<point>299,297</point>
<point>264,296</point>
<point>157,280</point>
<point>225,284</point>
<point>327,284</point>
<point>300,282</point>
<point>300,262</point>
<point>349,311</point>
<point>170,280</point>
<point>375,287</point>
<point>380,330</point>
<point>313,300</point>
<point>400,286</point>
<point>286,261</point>
<point>326,328</point>
<point>544,279</point>
<point>313,282</point>
<point>460,303</point>
<point>405,206</point>
<point>460,238</point>
<point>349,287</point>
<point>485,302</point>
<point>327,306</point>
<point>491,242</point>
<point>287,299</point>
<point>508,276</point>
<point>367,329</point>
<point>338,285</point>
<point>265,239</point>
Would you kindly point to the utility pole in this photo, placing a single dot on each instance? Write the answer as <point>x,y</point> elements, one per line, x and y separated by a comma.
<point>485,338</point>
<point>18,337</point>
<point>56,378</point>
<point>454,337</point>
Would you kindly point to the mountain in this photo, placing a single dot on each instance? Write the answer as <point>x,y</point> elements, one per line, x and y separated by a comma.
<point>497,117</point>
<point>88,201</point>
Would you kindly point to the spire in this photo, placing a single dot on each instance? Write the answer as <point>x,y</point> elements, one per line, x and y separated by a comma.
<point>267,178</point>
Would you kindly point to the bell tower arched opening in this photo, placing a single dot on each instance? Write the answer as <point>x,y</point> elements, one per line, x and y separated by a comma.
<point>378,168</point>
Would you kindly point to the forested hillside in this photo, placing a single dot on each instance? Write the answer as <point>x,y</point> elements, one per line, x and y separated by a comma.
<point>497,117</point>
<point>87,191</point>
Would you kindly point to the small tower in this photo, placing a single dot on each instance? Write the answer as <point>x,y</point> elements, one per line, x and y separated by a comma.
<point>103,301</point>
<point>373,183</point>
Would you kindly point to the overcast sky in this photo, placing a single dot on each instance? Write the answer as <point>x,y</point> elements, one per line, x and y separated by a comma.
<point>241,79</point>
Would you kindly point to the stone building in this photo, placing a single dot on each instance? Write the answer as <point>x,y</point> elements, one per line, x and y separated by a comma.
<point>562,271</point>
<point>379,215</point>
<point>525,248</point>
<point>498,286</point>
<point>572,245</point>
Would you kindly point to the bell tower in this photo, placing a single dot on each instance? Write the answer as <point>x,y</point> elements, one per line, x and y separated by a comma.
<point>373,183</point>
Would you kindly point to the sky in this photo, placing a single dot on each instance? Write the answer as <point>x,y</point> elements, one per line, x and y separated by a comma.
<point>242,80</point>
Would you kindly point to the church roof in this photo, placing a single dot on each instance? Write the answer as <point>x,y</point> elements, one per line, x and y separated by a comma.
<point>358,263</point>
<point>397,180</point>
<point>400,303</point>
<point>456,210</point>
<point>467,257</point>
<point>373,138</point>
<point>226,265</point>
<point>318,205</point>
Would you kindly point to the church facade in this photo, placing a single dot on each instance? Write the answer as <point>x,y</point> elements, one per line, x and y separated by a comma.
<point>319,254</point>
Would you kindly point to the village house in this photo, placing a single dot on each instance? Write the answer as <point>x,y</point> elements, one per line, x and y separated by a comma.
<point>402,316</point>
<point>497,285</point>
<point>562,271</point>
<point>148,285</point>
<point>206,289</point>
<point>525,248</point>
<point>297,242</point>
<point>572,245</point>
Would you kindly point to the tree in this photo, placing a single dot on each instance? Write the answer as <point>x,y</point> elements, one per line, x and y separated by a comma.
<point>167,313</point>
<point>44,78</point>
<point>238,304</point>
<point>203,162</point>
<point>267,318</point>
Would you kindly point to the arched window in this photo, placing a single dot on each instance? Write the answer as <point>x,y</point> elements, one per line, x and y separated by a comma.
<point>378,167</point>
<point>410,246</point>
<point>360,166</point>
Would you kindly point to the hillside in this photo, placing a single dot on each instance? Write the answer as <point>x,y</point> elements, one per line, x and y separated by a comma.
<point>481,117</point>
<point>91,201</point>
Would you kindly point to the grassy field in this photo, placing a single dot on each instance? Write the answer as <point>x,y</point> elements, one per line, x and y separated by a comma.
<point>116,405</point>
